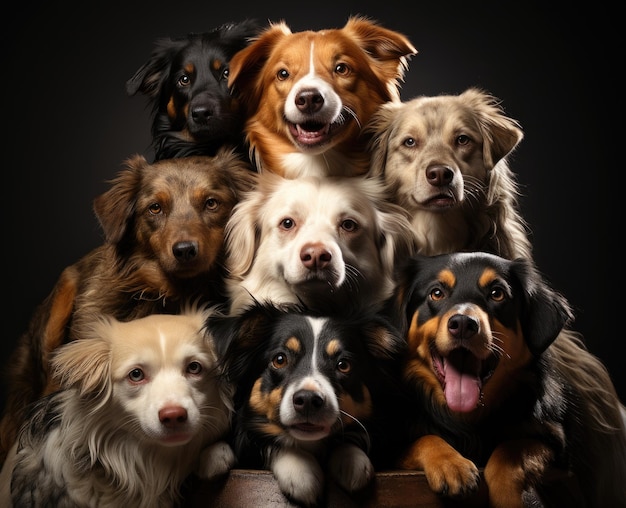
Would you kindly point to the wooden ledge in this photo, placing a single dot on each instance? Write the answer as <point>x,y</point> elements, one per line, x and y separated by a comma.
<point>244,488</point>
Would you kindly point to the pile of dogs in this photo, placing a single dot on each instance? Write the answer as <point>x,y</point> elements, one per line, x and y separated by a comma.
<point>313,276</point>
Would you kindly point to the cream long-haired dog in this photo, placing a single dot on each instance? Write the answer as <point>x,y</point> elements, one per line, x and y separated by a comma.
<point>323,244</point>
<point>445,160</point>
<point>142,406</point>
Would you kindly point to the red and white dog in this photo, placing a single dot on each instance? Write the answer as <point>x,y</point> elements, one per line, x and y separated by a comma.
<point>308,94</point>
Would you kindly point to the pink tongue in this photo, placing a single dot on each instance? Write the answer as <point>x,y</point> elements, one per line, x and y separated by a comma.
<point>462,388</point>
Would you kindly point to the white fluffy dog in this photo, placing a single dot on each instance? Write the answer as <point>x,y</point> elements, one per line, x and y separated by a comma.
<point>142,407</point>
<point>325,244</point>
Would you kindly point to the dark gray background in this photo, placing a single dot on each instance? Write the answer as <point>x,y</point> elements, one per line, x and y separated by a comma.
<point>68,124</point>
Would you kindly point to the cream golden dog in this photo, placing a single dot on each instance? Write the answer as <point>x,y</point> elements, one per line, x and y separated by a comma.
<point>142,406</point>
<point>445,159</point>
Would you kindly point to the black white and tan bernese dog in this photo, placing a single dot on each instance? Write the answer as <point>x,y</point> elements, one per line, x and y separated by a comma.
<point>492,383</point>
<point>311,395</point>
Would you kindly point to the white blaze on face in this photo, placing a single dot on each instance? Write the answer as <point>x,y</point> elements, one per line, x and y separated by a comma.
<point>325,416</point>
<point>312,81</point>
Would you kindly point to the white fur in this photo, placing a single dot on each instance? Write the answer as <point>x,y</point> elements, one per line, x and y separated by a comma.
<point>141,409</point>
<point>298,474</point>
<point>264,257</point>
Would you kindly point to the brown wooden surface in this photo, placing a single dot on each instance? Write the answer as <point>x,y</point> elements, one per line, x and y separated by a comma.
<point>252,488</point>
<point>394,489</point>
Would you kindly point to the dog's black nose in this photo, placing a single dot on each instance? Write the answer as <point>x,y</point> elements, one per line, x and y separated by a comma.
<point>306,401</point>
<point>185,251</point>
<point>462,327</point>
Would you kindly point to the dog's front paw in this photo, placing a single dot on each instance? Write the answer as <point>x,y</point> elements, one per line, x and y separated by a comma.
<point>457,477</point>
<point>299,477</point>
<point>447,471</point>
<point>215,460</point>
<point>351,467</point>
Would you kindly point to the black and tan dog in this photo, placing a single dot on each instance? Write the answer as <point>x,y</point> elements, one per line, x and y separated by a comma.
<point>310,395</point>
<point>488,388</point>
<point>186,82</point>
<point>164,229</point>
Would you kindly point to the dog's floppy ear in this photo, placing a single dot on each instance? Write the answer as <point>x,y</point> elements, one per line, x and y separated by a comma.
<point>500,133</point>
<point>246,64</point>
<point>237,35</point>
<point>544,311</point>
<point>117,205</point>
<point>241,339</point>
<point>379,127</point>
<point>244,228</point>
<point>390,50</point>
<point>85,364</point>
<point>401,305</point>
<point>149,78</point>
<point>397,240</point>
<point>383,340</point>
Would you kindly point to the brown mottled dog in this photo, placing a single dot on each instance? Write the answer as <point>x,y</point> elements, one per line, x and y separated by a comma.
<point>164,230</point>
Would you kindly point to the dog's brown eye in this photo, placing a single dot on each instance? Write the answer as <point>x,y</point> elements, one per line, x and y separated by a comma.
<point>225,74</point>
<point>497,294</point>
<point>136,375</point>
<point>342,69</point>
<point>279,361</point>
<point>409,142</point>
<point>344,366</point>
<point>184,80</point>
<point>194,367</point>
<point>463,140</point>
<point>282,74</point>
<point>287,223</point>
<point>211,204</point>
<point>155,208</point>
<point>349,225</point>
<point>437,294</point>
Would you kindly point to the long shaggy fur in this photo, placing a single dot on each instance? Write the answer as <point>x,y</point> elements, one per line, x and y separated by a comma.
<point>307,95</point>
<point>141,407</point>
<point>445,160</point>
<point>164,228</point>
<point>322,244</point>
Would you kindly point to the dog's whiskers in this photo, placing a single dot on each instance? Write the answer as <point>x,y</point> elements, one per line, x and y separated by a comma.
<point>142,295</point>
<point>352,113</point>
<point>496,348</point>
<point>358,422</point>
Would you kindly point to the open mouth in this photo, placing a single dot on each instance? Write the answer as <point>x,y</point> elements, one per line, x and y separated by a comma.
<point>462,376</point>
<point>312,134</point>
